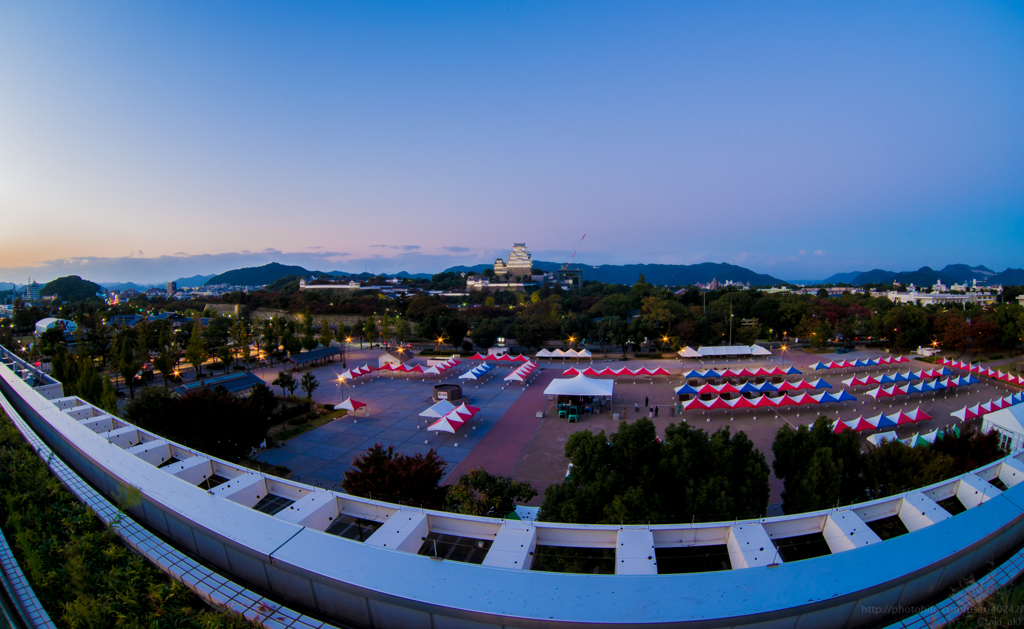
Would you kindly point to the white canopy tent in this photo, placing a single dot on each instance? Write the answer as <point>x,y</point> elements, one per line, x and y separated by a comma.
<point>880,438</point>
<point>544,353</point>
<point>581,386</point>
<point>440,409</point>
<point>715,351</point>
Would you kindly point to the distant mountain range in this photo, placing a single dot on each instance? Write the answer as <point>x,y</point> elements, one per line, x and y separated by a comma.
<point>662,274</point>
<point>927,276</point>
<point>270,273</point>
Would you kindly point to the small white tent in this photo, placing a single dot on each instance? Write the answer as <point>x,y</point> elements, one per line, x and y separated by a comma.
<point>440,409</point>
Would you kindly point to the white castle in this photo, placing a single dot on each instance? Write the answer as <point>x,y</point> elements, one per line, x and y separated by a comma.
<point>520,262</point>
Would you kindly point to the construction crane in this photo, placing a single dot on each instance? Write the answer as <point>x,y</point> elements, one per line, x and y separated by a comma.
<point>569,261</point>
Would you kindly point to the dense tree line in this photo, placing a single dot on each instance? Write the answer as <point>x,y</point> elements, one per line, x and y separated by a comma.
<point>211,420</point>
<point>821,469</point>
<point>382,474</point>
<point>631,476</point>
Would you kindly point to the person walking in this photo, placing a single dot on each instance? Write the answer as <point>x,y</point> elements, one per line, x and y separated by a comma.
<point>655,411</point>
<point>647,401</point>
<point>636,407</point>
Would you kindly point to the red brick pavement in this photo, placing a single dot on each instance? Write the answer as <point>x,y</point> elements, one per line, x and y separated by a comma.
<point>503,447</point>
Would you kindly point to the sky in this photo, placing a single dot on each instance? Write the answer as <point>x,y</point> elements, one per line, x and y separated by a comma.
<point>148,141</point>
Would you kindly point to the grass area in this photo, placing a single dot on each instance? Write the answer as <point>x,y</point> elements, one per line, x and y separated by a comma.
<point>300,425</point>
<point>1005,608</point>
<point>80,571</point>
<point>1009,364</point>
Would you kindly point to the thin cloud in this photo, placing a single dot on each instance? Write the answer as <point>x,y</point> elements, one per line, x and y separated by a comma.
<point>456,249</point>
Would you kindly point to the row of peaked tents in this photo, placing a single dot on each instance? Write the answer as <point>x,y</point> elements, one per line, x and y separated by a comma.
<point>569,353</point>
<point>742,373</point>
<point>520,373</point>
<point>898,377</point>
<point>750,387</point>
<point>917,440</point>
<point>501,358</point>
<point>970,412</point>
<point>449,417</point>
<point>871,362</point>
<point>920,387</point>
<point>608,371</point>
<point>766,401</point>
<point>881,421</point>
<point>477,371</point>
<point>434,370</point>
<point>982,371</point>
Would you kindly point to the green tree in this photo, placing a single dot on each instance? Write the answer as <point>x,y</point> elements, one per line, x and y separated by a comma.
<point>224,356</point>
<point>819,468</point>
<point>308,339</point>
<point>268,337</point>
<point>383,474</point>
<point>455,329</point>
<point>484,494</point>
<point>211,420</point>
<point>50,340</point>
<point>369,329</point>
<point>485,333</point>
<point>326,336</point>
<point>127,362</point>
<point>286,381</point>
<point>631,477</point>
<point>195,353</point>
<point>164,363</point>
<point>108,399</point>
<point>309,384</point>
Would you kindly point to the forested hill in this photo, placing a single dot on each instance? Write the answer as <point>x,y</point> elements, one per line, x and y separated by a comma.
<point>71,288</point>
<point>257,275</point>
<point>677,274</point>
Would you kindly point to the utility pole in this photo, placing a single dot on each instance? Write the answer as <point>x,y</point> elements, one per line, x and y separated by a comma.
<point>730,322</point>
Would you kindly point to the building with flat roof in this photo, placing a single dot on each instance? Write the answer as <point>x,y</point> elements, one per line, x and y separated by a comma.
<point>931,299</point>
<point>32,290</point>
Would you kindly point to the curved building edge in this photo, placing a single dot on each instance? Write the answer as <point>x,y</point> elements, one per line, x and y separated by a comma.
<point>382,581</point>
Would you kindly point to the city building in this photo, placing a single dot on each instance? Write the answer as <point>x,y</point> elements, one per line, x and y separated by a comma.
<point>480,282</point>
<point>931,299</point>
<point>172,287</point>
<point>43,325</point>
<point>519,264</point>
<point>32,290</point>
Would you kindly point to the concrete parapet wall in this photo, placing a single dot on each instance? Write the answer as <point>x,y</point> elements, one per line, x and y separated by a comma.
<point>383,582</point>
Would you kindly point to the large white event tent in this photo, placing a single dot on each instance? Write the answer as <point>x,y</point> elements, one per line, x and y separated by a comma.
<point>715,351</point>
<point>581,386</point>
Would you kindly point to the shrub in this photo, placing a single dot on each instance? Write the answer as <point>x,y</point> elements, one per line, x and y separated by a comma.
<point>81,572</point>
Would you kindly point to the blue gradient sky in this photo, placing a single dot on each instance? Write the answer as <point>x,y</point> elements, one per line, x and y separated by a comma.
<point>141,141</point>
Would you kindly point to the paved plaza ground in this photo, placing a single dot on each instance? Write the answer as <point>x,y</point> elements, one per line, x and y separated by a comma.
<point>391,418</point>
<point>508,438</point>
